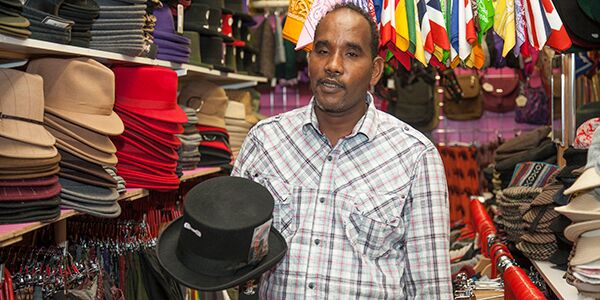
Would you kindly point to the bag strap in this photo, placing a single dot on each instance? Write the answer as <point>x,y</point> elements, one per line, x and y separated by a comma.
<point>450,83</point>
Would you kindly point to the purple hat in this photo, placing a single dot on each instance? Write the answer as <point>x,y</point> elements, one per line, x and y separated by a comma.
<point>165,44</point>
<point>164,28</point>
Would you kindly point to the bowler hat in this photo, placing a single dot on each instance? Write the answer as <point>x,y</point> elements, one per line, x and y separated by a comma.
<point>22,108</point>
<point>213,247</point>
<point>150,91</point>
<point>80,90</point>
<point>591,176</point>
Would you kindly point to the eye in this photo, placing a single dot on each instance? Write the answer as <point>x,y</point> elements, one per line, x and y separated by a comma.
<point>322,51</point>
<point>352,54</point>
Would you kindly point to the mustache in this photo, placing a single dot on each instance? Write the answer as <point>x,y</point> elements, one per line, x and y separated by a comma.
<point>330,81</point>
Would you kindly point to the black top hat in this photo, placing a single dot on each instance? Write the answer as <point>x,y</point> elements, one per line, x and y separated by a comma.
<point>238,10</point>
<point>224,237</point>
<point>213,51</point>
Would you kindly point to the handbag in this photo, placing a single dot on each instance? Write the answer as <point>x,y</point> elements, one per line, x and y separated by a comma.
<point>468,104</point>
<point>415,99</point>
<point>500,89</point>
<point>533,106</point>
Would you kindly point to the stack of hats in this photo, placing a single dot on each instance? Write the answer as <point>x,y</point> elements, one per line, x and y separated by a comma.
<point>171,46</point>
<point>204,17</point>
<point>526,184</point>
<point>190,140</point>
<point>237,126</point>
<point>83,13</point>
<point>121,184</point>
<point>583,210</point>
<point>79,113</point>
<point>28,158</point>
<point>529,146</point>
<point>45,24</point>
<point>210,103</point>
<point>11,21</point>
<point>146,101</point>
<point>119,27</point>
<point>245,97</point>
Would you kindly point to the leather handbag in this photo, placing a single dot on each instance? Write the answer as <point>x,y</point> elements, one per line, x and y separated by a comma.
<point>533,106</point>
<point>500,89</point>
<point>468,104</point>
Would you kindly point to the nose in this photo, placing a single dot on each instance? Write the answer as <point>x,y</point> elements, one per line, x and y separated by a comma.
<point>334,65</point>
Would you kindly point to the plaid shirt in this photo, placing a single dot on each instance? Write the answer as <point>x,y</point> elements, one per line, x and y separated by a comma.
<point>366,219</point>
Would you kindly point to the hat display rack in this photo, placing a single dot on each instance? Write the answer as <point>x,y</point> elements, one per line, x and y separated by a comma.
<point>517,285</point>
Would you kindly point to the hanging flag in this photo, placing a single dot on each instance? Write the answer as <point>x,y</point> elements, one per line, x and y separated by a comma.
<point>471,33</point>
<point>454,31</point>
<point>297,12</point>
<point>425,29</point>
<point>378,4</point>
<point>412,29</point>
<point>402,36</point>
<point>504,24</point>
<point>464,17</point>
<point>485,8</point>
<point>438,24</point>
<point>540,30</point>
<point>387,28</point>
<point>558,39</point>
<point>419,43</point>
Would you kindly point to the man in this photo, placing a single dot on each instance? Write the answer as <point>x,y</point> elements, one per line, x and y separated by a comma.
<point>360,196</point>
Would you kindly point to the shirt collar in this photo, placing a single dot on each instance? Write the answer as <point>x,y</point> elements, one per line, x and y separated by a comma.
<point>367,125</point>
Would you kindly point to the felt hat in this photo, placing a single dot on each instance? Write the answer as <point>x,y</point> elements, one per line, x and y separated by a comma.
<point>40,181</point>
<point>91,138</point>
<point>77,148</point>
<point>225,247</point>
<point>208,99</point>
<point>15,149</point>
<point>591,176</point>
<point>80,90</point>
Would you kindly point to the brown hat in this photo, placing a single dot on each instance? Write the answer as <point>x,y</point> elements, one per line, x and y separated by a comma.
<point>68,144</point>
<point>245,98</point>
<point>16,163</point>
<point>80,90</point>
<point>208,99</point>
<point>22,108</point>
<point>93,139</point>
<point>586,248</point>
<point>30,175</point>
<point>584,207</point>
<point>16,149</point>
<point>573,231</point>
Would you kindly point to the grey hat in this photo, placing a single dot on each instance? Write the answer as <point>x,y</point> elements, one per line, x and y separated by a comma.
<point>102,211</point>
<point>122,14</point>
<point>117,26</point>
<point>44,214</point>
<point>85,191</point>
<point>85,201</point>
<point>125,8</point>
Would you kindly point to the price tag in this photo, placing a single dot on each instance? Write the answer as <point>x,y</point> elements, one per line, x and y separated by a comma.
<point>179,18</point>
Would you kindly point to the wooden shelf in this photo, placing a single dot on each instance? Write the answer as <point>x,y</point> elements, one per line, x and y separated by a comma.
<point>12,233</point>
<point>134,194</point>
<point>36,48</point>
<point>199,172</point>
<point>555,281</point>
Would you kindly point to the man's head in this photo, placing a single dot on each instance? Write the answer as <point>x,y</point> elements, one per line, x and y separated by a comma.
<point>343,64</point>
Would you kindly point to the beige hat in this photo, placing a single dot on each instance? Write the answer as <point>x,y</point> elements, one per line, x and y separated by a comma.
<point>573,231</point>
<point>93,139</point>
<point>208,99</point>
<point>584,207</point>
<point>586,248</point>
<point>16,149</point>
<point>235,111</point>
<point>591,176</point>
<point>79,149</point>
<point>245,98</point>
<point>22,108</point>
<point>80,90</point>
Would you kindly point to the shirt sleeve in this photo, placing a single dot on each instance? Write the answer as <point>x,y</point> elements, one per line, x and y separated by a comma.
<point>246,155</point>
<point>427,237</point>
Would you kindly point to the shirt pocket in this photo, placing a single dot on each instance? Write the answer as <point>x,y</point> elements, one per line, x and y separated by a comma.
<point>285,214</point>
<point>373,222</point>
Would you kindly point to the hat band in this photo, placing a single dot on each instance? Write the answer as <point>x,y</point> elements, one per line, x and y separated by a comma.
<point>10,117</point>
<point>210,267</point>
<point>145,104</point>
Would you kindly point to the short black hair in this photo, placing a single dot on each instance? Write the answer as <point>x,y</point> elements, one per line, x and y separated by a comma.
<point>366,16</point>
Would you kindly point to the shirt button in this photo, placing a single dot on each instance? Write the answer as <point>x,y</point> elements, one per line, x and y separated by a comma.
<point>329,158</point>
<point>311,285</point>
<point>322,200</point>
<point>317,241</point>
<point>405,128</point>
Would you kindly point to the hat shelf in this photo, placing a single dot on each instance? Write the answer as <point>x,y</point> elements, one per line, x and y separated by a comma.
<point>554,278</point>
<point>37,48</point>
<point>13,233</point>
<point>199,172</point>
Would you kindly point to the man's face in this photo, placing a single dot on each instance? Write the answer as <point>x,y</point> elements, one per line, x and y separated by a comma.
<point>340,67</point>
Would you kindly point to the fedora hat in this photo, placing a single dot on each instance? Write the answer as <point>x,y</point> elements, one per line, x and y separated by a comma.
<point>591,176</point>
<point>81,190</point>
<point>91,138</point>
<point>135,156</point>
<point>150,169</point>
<point>79,149</point>
<point>103,211</point>
<point>212,247</point>
<point>41,181</point>
<point>15,149</point>
<point>30,175</point>
<point>29,193</point>
<point>85,178</point>
<point>80,90</point>
<point>584,207</point>
<point>22,108</point>
<point>208,99</point>
<point>130,117</point>
<point>131,175</point>
<point>160,137</point>
<point>148,145</point>
<point>586,248</point>
<point>16,163</point>
<point>150,91</point>
<point>573,231</point>
<point>235,110</point>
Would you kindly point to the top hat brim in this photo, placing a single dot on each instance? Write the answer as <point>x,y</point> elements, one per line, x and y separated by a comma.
<point>207,31</point>
<point>190,275</point>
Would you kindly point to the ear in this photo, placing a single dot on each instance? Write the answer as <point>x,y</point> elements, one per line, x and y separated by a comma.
<point>377,70</point>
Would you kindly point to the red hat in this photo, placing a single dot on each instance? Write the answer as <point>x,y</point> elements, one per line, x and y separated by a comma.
<point>150,91</point>
<point>203,128</point>
<point>137,167</point>
<point>139,157</point>
<point>148,145</point>
<point>40,181</point>
<point>28,193</point>
<point>125,145</point>
<point>163,138</point>
<point>131,176</point>
<point>129,117</point>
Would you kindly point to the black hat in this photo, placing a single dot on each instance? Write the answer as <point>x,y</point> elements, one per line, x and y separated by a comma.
<point>238,10</point>
<point>201,18</point>
<point>582,30</point>
<point>224,237</point>
<point>212,51</point>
